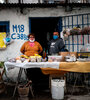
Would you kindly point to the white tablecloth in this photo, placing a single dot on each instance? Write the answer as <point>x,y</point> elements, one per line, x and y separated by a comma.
<point>9,65</point>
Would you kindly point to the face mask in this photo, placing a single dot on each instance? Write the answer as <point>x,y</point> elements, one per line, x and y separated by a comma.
<point>31,40</point>
<point>55,37</point>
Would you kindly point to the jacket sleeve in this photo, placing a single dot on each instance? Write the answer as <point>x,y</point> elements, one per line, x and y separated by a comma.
<point>62,45</point>
<point>22,49</point>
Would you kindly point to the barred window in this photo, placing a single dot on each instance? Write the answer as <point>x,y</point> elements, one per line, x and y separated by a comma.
<point>78,1</point>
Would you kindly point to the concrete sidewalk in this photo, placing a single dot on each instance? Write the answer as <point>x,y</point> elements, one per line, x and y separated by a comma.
<point>44,94</point>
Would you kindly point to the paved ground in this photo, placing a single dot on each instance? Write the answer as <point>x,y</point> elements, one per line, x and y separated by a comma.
<point>80,97</point>
<point>44,94</point>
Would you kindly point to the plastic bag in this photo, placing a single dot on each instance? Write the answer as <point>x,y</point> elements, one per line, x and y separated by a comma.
<point>85,48</point>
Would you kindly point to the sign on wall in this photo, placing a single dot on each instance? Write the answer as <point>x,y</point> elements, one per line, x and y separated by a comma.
<point>2,36</point>
<point>18,32</point>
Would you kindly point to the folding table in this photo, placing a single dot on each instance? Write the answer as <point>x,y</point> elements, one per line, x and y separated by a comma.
<point>24,66</point>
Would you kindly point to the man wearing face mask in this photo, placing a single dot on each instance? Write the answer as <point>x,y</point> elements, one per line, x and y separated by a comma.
<point>31,47</point>
<point>56,45</point>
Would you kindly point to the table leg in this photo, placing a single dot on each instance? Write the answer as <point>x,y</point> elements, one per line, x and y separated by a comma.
<point>30,87</point>
<point>86,84</point>
<point>18,79</point>
<point>74,84</point>
<point>77,75</point>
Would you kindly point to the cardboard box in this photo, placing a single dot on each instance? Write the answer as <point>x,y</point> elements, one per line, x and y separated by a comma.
<point>83,54</point>
<point>66,54</point>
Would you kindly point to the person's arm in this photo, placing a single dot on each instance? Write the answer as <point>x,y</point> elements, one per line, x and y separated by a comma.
<point>61,46</point>
<point>22,49</point>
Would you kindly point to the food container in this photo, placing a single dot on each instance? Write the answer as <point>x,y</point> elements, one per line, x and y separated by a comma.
<point>70,58</point>
<point>18,61</point>
<point>50,59</point>
<point>22,59</point>
<point>64,54</point>
<point>12,60</point>
<point>38,58</point>
<point>54,58</point>
<point>44,59</point>
<point>33,58</point>
<point>26,61</point>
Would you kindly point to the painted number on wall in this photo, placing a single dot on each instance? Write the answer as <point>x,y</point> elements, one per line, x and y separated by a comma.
<point>18,28</point>
<point>18,32</point>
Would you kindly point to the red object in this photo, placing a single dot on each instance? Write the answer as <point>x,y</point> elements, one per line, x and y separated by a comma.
<point>31,44</point>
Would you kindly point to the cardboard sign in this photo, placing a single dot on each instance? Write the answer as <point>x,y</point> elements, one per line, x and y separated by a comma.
<point>2,36</point>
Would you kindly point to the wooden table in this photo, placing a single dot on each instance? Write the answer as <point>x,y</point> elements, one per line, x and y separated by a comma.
<point>65,67</point>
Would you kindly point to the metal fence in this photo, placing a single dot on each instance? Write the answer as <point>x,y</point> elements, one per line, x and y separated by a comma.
<point>75,42</point>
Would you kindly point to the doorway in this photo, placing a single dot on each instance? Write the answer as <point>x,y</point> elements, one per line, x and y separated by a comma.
<point>43,28</point>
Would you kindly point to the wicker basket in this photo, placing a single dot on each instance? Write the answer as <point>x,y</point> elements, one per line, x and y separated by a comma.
<point>23,91</point>
<point>2,87</point>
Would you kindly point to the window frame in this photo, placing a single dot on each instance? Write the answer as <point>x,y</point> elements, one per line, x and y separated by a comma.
<point>7,23</point>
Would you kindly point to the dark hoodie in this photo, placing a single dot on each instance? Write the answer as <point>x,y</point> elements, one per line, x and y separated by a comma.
<point>56,46</point>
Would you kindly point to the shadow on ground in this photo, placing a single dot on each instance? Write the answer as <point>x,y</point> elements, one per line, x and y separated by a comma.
<point>43,93</point>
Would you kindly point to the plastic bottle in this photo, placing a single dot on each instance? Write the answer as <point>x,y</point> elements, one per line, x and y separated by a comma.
<point>44,53</point>
<point>47,55</point>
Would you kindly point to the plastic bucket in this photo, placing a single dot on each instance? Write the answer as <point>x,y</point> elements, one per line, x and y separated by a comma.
<point>57,89</point>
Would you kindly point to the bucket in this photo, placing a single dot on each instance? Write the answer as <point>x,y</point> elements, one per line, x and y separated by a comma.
<point>57,89</point>
<point>23,91</point>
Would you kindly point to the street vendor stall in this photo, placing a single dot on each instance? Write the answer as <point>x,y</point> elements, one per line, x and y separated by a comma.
<point>52,68</point>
